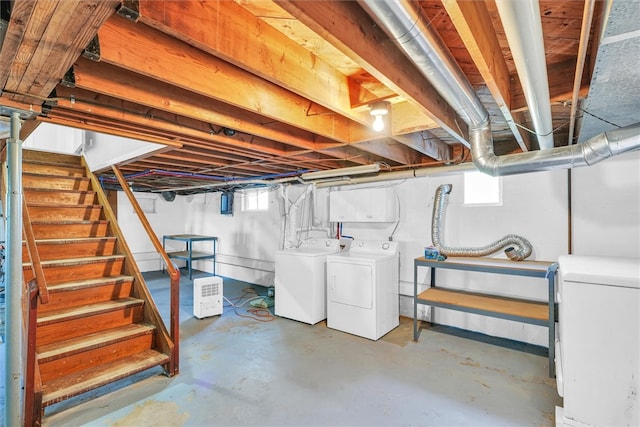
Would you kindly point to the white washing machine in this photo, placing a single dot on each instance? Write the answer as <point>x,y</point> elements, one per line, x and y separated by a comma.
<point>300,280</point>
<point>598,344</point>
<point>362,289</point>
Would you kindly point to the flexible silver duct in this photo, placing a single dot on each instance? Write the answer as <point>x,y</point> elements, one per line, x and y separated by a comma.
<point>515,247</point>
<point>403,22</point>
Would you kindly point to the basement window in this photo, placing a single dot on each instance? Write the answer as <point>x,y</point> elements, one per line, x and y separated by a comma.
<point>255,199</point>
<point>482,189</point>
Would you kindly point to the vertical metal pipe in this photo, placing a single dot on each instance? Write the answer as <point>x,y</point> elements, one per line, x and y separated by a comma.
<point>14,350</point>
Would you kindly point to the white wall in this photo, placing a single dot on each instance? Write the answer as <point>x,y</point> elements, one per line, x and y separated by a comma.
<point>55,138</point>
<point>169,218</point>
<point>102,150</point>
<point>247,241</point>
<point>534,206</point>
<point>606,204</point>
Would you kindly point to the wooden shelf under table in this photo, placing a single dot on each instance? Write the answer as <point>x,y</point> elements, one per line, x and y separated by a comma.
<point>509,307</point>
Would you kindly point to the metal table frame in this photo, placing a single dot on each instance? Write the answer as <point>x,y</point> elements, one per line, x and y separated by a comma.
<point>189,255</point>
<point>541,269</point>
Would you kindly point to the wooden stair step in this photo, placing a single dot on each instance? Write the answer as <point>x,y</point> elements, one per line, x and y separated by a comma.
<point>52,168</point>
<point>57,350</point>
<point>89,283</point>
<point>47,195</point>
<point>74,322</point>
<point>97,376</point>
<point>88,310</point>
<point>52,249</point>
<point>48,212</point>
<point>64,270</point>
<point>83,292</point>
<point>70,262</point>
<point>32,180</point>
<point>62,229</point>
<point>76,354</point>
<point>45,156</point>
<point>77,212</point>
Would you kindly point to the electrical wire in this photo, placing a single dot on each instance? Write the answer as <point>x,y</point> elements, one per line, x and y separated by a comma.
<point>599,118</point>
<point>259,314</point>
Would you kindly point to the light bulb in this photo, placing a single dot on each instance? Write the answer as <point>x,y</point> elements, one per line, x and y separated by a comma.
<point>378,123</point>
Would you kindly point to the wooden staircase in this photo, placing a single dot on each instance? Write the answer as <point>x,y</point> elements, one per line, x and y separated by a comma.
<point>100,323</point>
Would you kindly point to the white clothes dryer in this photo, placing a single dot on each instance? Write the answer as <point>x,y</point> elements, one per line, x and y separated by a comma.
<point>300,280</point>
<point>362,293</point>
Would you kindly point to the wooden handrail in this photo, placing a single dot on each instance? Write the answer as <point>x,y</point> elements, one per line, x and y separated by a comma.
<point>174,273</point>
<point>34,255</point>
<point>33,381</point>
<point>143,219</point>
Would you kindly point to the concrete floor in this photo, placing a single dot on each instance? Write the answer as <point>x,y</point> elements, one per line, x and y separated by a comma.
<point>240,371</point>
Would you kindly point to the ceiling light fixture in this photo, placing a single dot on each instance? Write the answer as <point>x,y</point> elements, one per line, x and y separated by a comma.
<point>332,173</point>
<point>378,110</point>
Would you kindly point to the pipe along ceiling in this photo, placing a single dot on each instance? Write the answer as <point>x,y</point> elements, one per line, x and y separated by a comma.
<point>404,23</point>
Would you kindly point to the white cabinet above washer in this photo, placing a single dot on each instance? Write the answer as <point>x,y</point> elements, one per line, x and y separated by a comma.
<point>363,205</point>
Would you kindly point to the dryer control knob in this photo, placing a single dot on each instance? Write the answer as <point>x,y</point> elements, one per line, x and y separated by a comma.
<point>385,246</point>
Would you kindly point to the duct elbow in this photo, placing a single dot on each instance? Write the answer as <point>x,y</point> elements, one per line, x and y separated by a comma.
<point>482,153</point>
<point>487,163</point>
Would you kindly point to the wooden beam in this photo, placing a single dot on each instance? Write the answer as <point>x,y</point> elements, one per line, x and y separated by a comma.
<point>85,124</point>
<point>90,108</point>
<point>55,35</point>
<point>117,110</point>
<point>156,55</point>
<point>393,150</point>
<point>427,144</point>
<point>109,80</point>
<point>228,31</point>
<point>347,26</point>
<point>472,20</point>
<point>404,121</point>
<point>70,28</point>
<point>561,77</point>
<point>21,12</point>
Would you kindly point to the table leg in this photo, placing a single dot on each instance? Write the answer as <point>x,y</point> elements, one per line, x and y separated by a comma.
<point>415,301</point>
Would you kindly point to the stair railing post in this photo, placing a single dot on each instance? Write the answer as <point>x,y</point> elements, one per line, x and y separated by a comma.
<point>33,387</point>
<point>16,343</point>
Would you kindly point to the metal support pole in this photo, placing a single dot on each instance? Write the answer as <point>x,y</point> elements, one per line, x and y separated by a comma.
<point>15,347</point>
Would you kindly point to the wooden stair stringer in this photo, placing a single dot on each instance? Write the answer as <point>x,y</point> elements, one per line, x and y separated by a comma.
<point>151,313</point>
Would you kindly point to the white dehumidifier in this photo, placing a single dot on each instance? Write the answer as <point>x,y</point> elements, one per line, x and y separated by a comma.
<point>207,296</point>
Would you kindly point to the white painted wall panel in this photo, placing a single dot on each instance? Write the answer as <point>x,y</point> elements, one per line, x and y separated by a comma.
<point>55,138</point>
<point>606,207</point>
<point>168,219</point>
<point>534,206</point>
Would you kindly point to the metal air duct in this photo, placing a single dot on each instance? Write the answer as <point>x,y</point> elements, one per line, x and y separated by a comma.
<point>523,28</point>
<point>517,247</point>
<point>403,22</point>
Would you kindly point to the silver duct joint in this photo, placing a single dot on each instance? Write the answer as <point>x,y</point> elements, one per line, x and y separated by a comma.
<point>403,21</point>
<point>516,248</point>
<point>594,150</point>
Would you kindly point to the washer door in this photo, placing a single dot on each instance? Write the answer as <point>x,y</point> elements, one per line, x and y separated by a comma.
<point>351,284</point>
